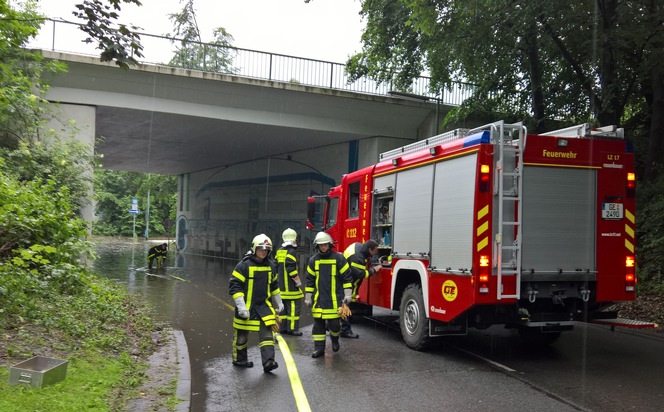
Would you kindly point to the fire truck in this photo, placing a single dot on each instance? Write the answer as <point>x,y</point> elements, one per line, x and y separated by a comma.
<point>493,226</point>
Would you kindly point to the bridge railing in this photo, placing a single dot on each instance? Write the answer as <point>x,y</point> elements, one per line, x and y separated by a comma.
<point>64,36</point>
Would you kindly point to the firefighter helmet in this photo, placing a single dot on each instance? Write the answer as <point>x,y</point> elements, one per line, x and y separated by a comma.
<point>289,235</point>
<point>261,242</point>
<point>323,238</point>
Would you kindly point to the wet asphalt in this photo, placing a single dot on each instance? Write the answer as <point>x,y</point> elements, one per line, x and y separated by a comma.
<point>376,372</point>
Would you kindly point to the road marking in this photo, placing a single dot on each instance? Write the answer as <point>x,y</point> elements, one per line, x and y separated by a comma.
<point>489,361</point>
<point>296,384</point>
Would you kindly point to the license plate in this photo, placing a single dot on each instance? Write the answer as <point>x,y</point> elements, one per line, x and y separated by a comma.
<point>612,211</point>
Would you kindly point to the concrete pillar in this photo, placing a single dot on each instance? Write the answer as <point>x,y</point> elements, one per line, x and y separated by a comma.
<point>83,130</point>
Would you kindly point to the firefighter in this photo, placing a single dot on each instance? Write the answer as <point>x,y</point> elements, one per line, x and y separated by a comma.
<point>157,252</point>
<point>359,257</point>
<point>289,284</point>
<point>255,289</point>
<point>329,283</point>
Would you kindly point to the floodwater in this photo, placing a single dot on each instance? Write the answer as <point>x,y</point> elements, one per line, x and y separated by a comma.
<point>374,373</point>
<point>189,294</point>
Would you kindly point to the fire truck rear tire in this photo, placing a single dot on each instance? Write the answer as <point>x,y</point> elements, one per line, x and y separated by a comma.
<point>413,320</point>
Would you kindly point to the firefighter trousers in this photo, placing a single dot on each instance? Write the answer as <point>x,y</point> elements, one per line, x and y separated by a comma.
<point>318,331</point>
<point>265,343</point>
<point>290,320</point>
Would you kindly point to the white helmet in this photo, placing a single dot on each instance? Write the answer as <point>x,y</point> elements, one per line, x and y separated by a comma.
<point>289,235</point>
<point>261,242</point>
<point>323,238</point>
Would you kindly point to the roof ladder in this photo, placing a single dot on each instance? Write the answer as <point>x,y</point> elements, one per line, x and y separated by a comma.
<point>510,142</point>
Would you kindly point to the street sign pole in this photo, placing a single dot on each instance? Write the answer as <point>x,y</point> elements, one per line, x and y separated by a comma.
<point>134,211</point>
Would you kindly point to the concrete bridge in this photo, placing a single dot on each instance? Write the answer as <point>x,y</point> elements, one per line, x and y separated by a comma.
<point>247,152</point>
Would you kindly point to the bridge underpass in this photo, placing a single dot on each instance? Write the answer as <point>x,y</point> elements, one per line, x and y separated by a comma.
<point>247,152</point>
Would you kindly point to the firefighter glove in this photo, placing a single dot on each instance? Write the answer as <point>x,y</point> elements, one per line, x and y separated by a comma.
<point>307,299</point>
<point>277,303</point>
<point>241,307</point>
<point>348,296</point>
<point>297,280</point>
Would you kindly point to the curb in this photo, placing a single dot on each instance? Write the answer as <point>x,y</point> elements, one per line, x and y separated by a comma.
<point>183,390</point>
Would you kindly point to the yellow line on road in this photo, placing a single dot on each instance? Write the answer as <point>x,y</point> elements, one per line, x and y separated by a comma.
<point>296,384</point>
<point>179,278</point>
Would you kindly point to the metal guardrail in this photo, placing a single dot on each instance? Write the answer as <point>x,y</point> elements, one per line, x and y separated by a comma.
<point>66,36</point>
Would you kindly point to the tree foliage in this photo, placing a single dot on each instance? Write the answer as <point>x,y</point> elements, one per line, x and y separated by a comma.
<point>114,191</point>
<point>538,60</point>
<point>193,53</point>
<point>116,42</point>
<point>21,71</point>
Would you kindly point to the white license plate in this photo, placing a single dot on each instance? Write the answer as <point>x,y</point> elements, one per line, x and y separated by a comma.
<point>612,211</point>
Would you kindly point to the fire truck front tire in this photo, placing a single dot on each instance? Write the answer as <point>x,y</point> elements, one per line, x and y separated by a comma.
<point>413,321</point>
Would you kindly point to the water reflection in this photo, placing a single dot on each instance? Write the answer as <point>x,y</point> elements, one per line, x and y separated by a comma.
<point>190,294</point>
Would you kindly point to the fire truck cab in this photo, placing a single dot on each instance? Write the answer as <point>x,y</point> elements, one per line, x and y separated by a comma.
<point>493,226</point>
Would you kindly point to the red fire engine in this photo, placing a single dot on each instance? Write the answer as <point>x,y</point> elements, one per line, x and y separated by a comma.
<point>493,226</point>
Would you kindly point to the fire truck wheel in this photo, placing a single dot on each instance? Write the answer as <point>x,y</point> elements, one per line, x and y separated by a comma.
<point>412,318</point>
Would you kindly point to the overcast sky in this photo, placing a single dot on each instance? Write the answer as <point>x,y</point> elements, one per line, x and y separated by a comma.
<point>321,29</point>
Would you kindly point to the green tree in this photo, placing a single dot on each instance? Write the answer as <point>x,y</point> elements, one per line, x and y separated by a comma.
<point>21,73</point>
<point>114,191</point>
<point>529,59</point>
<point>116,42</point>
<point>192,53</point>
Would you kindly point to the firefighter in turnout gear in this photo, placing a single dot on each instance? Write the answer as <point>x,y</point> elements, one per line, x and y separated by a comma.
<point>255,289</point>
<point>329,283</point>
<point>289,284</point>
<point>359,257</point>
<point>157,253</point>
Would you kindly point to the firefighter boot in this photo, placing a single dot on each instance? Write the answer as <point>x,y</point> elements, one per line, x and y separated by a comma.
<point>346,331</point>
<point>242,360</point>
<point>270,365</point>
<point>335,343</point>
<point>319,350</point>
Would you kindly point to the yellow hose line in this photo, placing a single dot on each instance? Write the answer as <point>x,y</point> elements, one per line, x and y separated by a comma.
<point>229,306</point>
<point>178,278</point>
<point>296,384</point>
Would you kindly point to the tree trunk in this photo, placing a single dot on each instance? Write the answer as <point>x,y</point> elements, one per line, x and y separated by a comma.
<point>655,97</point>
<point>611,110</point>
<point>535,68</point>
<point>656,139</point>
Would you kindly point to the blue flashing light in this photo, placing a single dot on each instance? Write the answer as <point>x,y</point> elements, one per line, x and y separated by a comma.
<point>629,147</point>
<point>477,138</point>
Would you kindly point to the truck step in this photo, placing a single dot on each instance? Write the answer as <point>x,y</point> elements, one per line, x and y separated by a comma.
<point>626,323</point>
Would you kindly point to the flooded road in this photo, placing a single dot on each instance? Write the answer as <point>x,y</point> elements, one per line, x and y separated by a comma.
<point>190,294</point>
<point>590,368</point>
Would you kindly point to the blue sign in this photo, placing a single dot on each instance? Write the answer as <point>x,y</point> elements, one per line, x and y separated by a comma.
<point>134,211</point>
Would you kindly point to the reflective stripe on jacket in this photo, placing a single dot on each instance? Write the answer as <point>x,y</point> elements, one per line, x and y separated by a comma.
<point>256,282</point>
<point>327,277</point>
<point>287,266</point>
